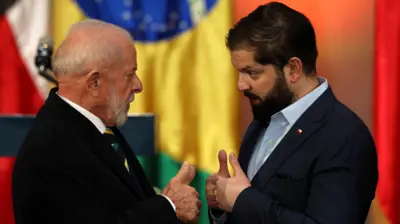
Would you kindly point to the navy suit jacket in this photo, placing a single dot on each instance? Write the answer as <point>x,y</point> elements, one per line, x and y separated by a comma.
<point>327,174</point>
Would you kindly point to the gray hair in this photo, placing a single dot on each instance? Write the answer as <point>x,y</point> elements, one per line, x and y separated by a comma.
<point>89,44</point>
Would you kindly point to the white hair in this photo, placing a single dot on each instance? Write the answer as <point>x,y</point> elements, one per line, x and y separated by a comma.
<point>89,44</point>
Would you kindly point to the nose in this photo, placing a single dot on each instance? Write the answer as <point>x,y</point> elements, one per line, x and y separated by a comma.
<point>137,86</point>
<point>243,84</point>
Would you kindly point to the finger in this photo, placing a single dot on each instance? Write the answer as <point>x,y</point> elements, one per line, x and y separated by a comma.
<point>223,164</point>
<point>197,216</point>
<point>186,173</point>
<point>211,188</point>
<point>235,165</point>
<point>213,203</point>
<point>212,182</point>
<point>199,204</point>
<point>212,179</point>
<point>211,198</point>
<point>220,182</point>
<point>195,211</point>
<point>211,193</point>
<point>196,194</point>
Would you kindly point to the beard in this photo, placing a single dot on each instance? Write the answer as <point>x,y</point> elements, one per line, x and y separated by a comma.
<point>121,115</point>
<point>119,110</point>
<point>278,98</point>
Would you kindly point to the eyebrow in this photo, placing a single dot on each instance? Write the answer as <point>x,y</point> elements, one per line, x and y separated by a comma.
<point>131,70</point>
<point>247,68</point>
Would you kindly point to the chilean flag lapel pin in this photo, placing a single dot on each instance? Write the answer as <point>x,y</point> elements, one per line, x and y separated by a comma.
<point>299,131</point>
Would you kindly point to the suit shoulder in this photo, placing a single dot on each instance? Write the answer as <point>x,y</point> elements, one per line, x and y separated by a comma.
<point>344,131</point>
<point>45,144</point>
<point>40,135</point>
<point>347,120</point>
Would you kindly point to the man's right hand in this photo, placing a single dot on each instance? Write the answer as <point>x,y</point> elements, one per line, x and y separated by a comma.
<point>184,197</point>
<point>211,182</point>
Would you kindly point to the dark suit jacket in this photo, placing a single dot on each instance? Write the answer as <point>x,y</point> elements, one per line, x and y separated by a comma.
<point>327,174</point>
<point>66,172</point>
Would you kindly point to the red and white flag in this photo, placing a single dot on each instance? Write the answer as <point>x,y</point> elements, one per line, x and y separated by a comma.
<point>22,24</point>
<point>22,90</point>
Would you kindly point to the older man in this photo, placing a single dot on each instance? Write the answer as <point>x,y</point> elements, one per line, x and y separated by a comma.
<point>74,165</point>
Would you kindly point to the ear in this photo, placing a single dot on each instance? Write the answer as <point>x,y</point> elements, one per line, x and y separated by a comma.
<point>93,83</point>
<point>294,69</point>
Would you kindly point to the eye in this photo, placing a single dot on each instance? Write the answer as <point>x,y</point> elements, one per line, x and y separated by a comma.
<point>254,73</point>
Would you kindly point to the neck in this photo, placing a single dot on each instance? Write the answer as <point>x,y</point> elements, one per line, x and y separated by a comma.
<point>75,91</point>
<point>307,85</point>
<point>78,97</point>
<point>85,103</point>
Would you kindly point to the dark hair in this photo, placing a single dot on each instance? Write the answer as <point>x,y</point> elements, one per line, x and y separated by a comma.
<point>276,33</point>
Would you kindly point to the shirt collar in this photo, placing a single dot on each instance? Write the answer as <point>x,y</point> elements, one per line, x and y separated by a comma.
<point>296,109</point>
<point>91,117</point>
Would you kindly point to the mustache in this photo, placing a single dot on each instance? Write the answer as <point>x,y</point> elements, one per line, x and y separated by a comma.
<point>250,95</point>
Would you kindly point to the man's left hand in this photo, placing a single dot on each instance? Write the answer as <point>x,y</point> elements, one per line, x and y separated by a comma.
<point>228,189</point>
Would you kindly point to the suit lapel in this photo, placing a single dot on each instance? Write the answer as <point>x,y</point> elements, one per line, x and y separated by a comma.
<point>308,123</point>
<point>106,153</point>
<point>248,143</point>
<point>137,170</point>
<point>289,144</point>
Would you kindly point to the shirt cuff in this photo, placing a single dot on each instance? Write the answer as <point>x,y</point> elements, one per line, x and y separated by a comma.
<point>218,220</point>
<point>172,204</point>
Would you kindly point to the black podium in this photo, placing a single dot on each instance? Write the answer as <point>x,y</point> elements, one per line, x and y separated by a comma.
<point>139,131</point>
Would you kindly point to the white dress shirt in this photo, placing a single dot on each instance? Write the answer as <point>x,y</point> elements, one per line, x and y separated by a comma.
<point>280,124</point>
<point>98,124</point>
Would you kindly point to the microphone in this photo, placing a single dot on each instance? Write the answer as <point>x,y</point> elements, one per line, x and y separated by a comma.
<point>43,58</point>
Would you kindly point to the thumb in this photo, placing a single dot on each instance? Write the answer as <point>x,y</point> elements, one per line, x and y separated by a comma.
<point>186,173</point>
<point>223,164</point>
<point>235,165</point>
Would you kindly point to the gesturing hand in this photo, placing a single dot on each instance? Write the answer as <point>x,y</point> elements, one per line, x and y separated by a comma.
<point>211,182</point>
<point>228,189</point>
<point>184,197</point>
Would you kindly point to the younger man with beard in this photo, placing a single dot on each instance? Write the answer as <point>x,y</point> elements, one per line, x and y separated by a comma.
<point>306,158</point>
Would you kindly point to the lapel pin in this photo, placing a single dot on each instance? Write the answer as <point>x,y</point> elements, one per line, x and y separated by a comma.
<point>299,131</point>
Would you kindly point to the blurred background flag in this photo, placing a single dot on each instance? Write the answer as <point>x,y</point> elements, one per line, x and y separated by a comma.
<point>387,106</point>
<point>189,83</point>
<point>22,91</point>
<point>22,24</point>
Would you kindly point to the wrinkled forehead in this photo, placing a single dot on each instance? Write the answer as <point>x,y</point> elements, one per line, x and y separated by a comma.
<point>127,61</point>
<point>130,56</point>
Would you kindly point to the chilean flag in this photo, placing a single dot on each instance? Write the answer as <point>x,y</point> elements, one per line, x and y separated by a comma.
<point>22,90</point>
